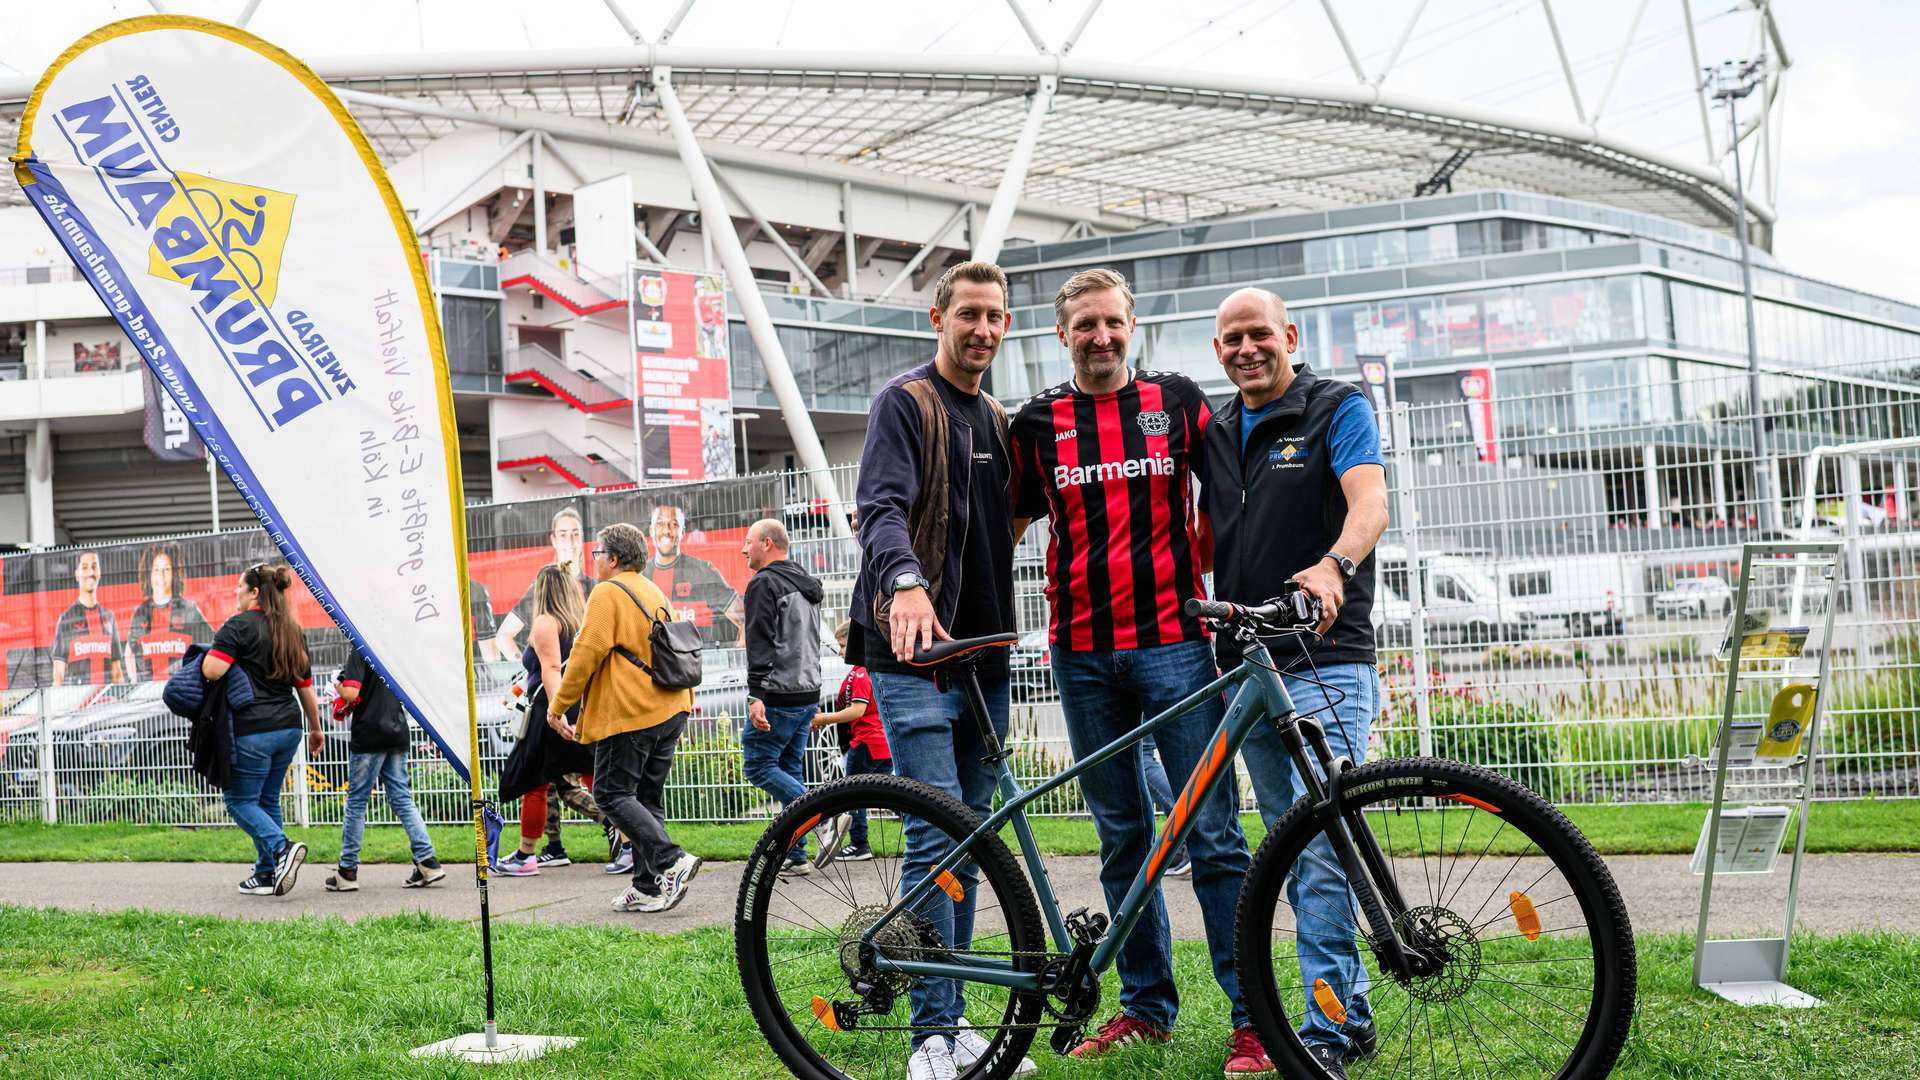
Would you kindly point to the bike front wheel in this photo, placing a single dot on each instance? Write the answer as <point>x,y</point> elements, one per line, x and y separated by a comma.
<point>1527,952</point>
<point>807,967</point>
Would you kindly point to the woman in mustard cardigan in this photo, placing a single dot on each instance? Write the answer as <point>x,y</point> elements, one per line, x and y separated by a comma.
<point>631,723</point>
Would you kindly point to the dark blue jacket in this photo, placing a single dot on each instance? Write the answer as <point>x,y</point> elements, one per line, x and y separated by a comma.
<point>915,474</point>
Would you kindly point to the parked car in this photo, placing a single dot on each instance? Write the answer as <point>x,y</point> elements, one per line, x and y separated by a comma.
<point>1030,667</point>
<point>1694,598</point>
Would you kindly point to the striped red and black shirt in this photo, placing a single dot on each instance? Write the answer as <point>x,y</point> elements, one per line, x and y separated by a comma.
<point>1115,473</point>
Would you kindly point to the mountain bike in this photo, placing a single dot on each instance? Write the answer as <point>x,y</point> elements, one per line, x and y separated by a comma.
<point>1493,939</point>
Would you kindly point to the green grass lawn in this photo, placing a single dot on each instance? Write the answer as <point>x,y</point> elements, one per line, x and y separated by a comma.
<point>1862,825</point>
<point>85,995</point>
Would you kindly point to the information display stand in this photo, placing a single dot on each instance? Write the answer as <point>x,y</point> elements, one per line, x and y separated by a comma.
<point>1775,657</point>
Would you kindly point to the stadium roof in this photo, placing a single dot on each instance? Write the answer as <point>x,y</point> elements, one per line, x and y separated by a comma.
<point>1122,142</point>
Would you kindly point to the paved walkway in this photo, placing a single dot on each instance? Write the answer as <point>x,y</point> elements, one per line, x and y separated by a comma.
<point>1838,893</point>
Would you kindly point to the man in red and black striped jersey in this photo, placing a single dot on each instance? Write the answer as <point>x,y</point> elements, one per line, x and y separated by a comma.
<point>1109,457</point>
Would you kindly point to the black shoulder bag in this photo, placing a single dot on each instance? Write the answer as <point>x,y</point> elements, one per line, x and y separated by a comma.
<point>676,650</point>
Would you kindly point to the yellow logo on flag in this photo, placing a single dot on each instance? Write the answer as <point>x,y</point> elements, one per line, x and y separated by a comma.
<point>247,225</point>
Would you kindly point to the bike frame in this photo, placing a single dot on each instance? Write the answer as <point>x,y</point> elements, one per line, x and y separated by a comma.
<point>1262,697</point>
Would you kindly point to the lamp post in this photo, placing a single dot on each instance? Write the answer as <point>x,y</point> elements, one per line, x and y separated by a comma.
<point>1732,81</point>
<point>743,417</point>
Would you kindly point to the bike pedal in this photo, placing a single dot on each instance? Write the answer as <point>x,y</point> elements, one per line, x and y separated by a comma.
<point>1066,1037</point>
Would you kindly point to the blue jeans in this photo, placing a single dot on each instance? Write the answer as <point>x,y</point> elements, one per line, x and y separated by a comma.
<point>390,767</point>
<point>253,795</point>
<point>936,741</point>
<point>1104,695</point>
<point>1160,789</point>
<point>776,757</point>
<point>1317,889</point>
<point>861,762</point>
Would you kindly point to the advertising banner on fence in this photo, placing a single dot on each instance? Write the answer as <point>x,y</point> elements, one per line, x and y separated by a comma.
<point>1476,389</point>
<point>233,218</point>
<point>680,363</point>
<point>1376,378</point>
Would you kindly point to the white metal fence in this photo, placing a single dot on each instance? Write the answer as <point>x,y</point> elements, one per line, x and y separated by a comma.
<point>1548,603</point>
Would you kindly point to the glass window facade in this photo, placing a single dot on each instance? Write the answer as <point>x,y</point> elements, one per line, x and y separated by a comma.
<point>472,328</point>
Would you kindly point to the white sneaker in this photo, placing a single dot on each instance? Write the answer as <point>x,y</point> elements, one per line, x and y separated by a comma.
<point>635,900</point>
<point>673,883</point>
<point>969,1047</point>
<point>932,1061</point>
<point>828,836</point>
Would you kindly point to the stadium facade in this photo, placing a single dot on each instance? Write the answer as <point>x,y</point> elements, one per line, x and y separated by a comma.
<point>1595,281</point>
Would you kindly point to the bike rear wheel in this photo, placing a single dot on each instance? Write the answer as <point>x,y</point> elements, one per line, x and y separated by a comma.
<point>1533,964</point>
<point>825,1013</point>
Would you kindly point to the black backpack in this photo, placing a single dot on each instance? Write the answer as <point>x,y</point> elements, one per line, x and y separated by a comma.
<point>676,649</point>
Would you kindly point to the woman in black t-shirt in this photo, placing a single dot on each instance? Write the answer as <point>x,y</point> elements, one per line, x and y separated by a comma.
<point>265,643</point>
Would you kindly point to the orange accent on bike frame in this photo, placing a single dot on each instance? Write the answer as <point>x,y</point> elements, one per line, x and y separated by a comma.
<point>1183,806</point>
<point>823,1012</point>
<point>1524,916</point>
<point>1324,997</point>
<point>1471,801</point>
<point>801,832</point>
<point>951,886</point>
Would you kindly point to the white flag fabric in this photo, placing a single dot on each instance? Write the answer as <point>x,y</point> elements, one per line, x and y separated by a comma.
<point>233,218</point>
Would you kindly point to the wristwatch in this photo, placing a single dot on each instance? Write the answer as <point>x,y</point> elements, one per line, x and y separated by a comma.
<point>911,580</point>
<point>1346,565</point>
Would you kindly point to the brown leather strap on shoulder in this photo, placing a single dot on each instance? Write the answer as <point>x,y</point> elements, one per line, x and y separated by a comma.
<point>930,517</point>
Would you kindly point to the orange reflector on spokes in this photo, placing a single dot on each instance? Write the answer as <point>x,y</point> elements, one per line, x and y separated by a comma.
<point>1471,801</point>
<point>951,886</point>
<point>1527,919</point>
<point>823,1011</point>
<point>1329,1002</point>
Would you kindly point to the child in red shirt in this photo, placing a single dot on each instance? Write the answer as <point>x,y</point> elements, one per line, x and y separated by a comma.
<point>867,751</point>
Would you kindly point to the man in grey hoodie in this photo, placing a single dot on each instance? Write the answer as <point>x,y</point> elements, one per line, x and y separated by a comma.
<point>783,668</point>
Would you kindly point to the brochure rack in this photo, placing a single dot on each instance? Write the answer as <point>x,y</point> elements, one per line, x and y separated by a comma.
<point>1776,648</point>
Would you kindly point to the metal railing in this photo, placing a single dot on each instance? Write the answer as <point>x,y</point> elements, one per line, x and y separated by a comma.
<point>589,391</point>
<point>1548,602</point>
<point>603,469</point>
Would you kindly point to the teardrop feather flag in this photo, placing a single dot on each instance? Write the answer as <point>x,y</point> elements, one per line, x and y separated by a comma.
<point>231,215</point>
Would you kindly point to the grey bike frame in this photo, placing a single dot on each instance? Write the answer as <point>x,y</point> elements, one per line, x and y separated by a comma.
<point>1262,696</point>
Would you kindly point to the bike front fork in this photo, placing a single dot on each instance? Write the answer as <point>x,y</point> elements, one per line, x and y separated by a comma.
<point>1369,875</point>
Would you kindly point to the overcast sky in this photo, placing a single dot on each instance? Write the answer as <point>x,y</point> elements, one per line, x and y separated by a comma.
<point>1848,198</point>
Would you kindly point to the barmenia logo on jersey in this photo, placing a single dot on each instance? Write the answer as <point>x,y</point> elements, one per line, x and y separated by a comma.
<point>1155,424</point>
<point>1065,476</point>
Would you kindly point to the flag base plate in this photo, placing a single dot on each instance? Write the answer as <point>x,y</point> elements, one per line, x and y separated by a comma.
<point>473,1047</point>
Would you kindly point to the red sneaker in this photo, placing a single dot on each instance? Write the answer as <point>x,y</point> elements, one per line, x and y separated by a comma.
<point>1118,1033</point>
<point>1245,1055</point>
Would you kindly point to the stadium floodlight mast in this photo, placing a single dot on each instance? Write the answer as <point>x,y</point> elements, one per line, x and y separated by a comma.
<point>1731,81</point>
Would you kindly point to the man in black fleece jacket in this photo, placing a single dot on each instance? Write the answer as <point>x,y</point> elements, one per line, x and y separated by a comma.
<point>783,668</point>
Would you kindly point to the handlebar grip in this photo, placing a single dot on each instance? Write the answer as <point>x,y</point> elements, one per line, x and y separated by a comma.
<point>1210,609</point>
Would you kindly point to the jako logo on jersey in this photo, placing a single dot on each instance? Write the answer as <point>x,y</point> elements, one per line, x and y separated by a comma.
<point>221,239</point>
<point>1063,436</point>
<point>1155,424</point>
<point>1074,475</point>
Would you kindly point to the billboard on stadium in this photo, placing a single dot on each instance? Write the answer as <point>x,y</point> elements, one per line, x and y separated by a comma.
<point>679,333</point>
<point>122,612</point>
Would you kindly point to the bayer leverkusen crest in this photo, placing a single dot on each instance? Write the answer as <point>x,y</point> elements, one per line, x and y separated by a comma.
<point>1155,424</point>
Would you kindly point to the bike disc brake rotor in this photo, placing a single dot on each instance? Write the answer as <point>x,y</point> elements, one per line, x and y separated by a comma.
<point>1449,940</point>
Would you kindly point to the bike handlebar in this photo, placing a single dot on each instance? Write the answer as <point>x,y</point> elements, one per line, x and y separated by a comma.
<point>1222,611</point>
<point>1292,609</point>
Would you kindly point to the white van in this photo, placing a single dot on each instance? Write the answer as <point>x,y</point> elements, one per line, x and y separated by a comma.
<point>1463,603</point>
<point>1574,594</point>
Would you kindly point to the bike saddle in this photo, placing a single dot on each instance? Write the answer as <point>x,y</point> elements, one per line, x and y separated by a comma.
<point>943,651</point>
